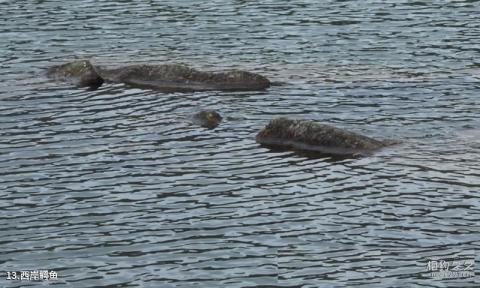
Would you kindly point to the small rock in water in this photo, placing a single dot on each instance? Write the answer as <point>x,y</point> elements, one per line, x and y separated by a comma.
<point>207,118</point>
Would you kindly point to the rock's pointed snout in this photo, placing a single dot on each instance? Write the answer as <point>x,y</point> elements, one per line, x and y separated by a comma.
<point>81,73</point>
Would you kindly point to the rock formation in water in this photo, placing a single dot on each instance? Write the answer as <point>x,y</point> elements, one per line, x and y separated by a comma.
<point>207,118</point>
<point>80,73</point>
<point>311,136</point>
<point>164,77</point>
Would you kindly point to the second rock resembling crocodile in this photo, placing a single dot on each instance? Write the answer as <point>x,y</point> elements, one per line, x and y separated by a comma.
<point>163,77</point>
<point>308,135</point>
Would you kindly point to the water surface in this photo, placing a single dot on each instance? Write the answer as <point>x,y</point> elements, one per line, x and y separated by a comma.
<point>117,188</point>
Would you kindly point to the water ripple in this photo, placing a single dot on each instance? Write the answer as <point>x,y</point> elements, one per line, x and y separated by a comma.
<point>117,188</point>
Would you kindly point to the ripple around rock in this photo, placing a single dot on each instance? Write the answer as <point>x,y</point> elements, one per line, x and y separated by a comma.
<point>115,187</point>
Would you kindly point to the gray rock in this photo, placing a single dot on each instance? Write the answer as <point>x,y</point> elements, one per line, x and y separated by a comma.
<point>307,135</point>
<point>181,78</point>
<point>80,73</point>
<point>207,118</point>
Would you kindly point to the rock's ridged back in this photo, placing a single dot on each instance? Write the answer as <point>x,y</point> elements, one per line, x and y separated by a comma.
<point>184,78</point>
<point>312,134</point>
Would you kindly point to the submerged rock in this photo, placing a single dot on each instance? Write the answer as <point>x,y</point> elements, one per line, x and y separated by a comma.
<point>181,78</point>
<point>80,73</point>
<point>207,118</point>
<point>311,136</point>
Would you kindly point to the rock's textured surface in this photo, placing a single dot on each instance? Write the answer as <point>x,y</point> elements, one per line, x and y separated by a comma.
<point>181,78</point>
<point>312,136</point>
<point>80,73</point>
<point>207,118</point>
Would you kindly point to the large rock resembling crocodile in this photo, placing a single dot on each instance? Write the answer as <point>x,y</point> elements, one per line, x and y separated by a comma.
<point>311,136</point>
<point>164,77</point>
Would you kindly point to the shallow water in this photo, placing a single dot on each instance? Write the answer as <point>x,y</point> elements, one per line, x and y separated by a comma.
<point>117,188</point>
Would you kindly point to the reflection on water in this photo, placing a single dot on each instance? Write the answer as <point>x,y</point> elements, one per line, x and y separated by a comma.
<point>117,188</point>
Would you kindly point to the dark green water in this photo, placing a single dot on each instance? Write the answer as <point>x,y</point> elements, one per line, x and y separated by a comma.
<point>116,188</point>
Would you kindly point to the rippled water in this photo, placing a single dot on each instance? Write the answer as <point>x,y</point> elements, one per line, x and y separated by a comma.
<point>116,188</point>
